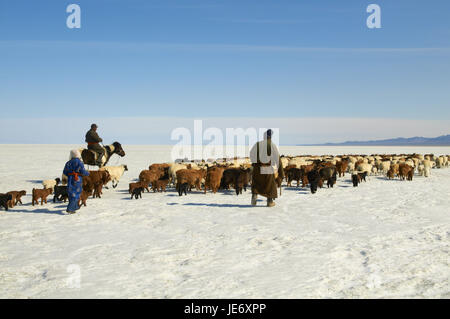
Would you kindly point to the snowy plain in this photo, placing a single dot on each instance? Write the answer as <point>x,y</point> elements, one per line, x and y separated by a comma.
<point>384,239</point>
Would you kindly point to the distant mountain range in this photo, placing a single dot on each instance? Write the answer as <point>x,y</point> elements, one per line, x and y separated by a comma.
<point>443,140</point>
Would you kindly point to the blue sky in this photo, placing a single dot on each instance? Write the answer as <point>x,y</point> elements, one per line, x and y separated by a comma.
<point>213,59</point>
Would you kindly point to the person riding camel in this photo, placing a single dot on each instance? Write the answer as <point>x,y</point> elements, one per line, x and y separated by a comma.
<point>266,163</point>
<point>93,140</point>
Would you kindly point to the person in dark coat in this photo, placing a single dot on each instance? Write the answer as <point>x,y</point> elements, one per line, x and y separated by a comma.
<point>74,170</point>
<point>267,165</point>
<point>93,140</point>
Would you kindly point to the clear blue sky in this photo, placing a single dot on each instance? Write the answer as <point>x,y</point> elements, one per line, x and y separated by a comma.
<point>233,58</point>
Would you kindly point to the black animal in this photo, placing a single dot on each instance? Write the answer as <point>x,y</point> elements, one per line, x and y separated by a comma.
<point>4,198</point>
<point>362,176</point>
<point>137,192</point>
<point>294,174</point>
<point>355,180</point>
<point>238,176</point>
<point>242,181</point>
<point>329,174</point>
<point>183,189</point>
<point>60,193</point>
<point>314,180</point>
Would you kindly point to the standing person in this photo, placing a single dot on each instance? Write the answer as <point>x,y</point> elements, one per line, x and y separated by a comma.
<point>265,161</point>
<point>74,170</point>
<point>93,140</point>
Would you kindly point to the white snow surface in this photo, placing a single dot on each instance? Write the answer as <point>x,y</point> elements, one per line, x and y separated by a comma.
<point>384,239</point>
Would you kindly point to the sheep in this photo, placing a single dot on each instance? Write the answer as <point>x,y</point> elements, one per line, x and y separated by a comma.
<point>384,167</point>
<point>51,183</point>
<point>374,170</point>
<point>351,167</point>
<point>364,167</point>
<point>421,170</point>
<point>115,172</point>
<point>439,162</point>
<point>175,167</point>
<point>427,167</point>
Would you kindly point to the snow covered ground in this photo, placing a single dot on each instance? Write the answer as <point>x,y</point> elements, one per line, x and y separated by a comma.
<point>384,239</point>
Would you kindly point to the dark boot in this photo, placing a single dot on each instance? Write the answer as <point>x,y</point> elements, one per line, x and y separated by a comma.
<point>270,202</point>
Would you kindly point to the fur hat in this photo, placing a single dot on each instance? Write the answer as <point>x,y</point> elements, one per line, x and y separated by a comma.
<point>74,154</point>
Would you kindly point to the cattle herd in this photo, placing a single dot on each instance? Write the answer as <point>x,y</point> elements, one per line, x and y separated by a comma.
<point>223,174</point>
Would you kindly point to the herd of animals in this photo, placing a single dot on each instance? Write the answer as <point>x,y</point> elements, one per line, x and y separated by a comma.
<point>223,174</point>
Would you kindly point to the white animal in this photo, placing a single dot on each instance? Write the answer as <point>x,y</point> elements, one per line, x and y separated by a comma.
<point>427,167</point>
<point>384,167</point>
<point>374,170</point>
<point>364,167</point>
<point>174,167</point>
<point>115,172</point>
<point>421,170</point>
<point>51,183</point>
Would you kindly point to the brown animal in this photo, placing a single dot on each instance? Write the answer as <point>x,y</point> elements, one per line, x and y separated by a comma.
<point>15,198</point>
<point>293,174</point>
<point>83,197</point>
<point>394,170</point>
<point>40,194</point>
<point>410,175</point>
<point>95,181</point>
<point>151,176</point>
<point>404,171</point>
<point>161,167</point>
<point>305,169</point>
<point>143,184</point>
<point>160,185</point>
<point>213,178</point>
<point>192,177</point>
<point>286,170</point>
<point>238,177</point>
<point>341,167</point>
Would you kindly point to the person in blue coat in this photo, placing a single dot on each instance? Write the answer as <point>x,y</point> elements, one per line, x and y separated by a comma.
<point>75,171</point>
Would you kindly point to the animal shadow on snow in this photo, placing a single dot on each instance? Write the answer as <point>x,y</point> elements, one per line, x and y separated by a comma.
<point>38,211</point>
<point>218,205</point>
<point>34,181</point>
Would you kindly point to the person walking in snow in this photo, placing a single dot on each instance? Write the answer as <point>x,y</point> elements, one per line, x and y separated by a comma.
<point>74,170</point>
